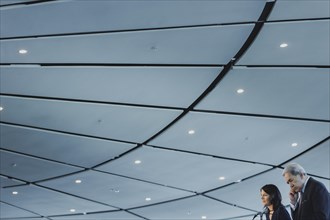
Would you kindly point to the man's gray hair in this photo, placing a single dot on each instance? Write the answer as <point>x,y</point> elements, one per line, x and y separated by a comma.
<point>294,169</point>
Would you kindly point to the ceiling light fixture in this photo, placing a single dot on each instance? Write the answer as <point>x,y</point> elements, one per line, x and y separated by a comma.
<point>283,45</point>
<point>203,217</point>
<point>14,193</point>
<point>78,181</point>
<point>148,199</point>
<point>294,144</point>
<point>115,190</point>
<point>222,178</point>
<point>72,210</point>
<point>240,91</point>
<point>137,161</point>
<point>1,108</point>
<point>191,132</point>
<point>22,51</point>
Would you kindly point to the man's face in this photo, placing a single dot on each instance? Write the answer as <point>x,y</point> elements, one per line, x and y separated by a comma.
<point>295,182</point>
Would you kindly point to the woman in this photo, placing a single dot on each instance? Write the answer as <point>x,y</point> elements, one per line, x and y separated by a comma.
<point>272,200</point>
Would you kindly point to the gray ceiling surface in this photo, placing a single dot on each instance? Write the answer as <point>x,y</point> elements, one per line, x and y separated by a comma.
<point>159,109</point>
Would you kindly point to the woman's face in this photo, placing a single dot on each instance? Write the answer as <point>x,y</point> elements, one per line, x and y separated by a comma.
<point>265,198</point>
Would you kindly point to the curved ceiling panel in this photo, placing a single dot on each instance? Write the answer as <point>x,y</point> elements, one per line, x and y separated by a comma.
<point>111,84</point>
<point>85,16</point>
<point>99,120</point>
<point>31,169</point>
<point>202,45</point>
<point>156,167</point>
<point>124,192</point>
<point>240,137</point>
<point>291,92</point>
<point>307,44</point>
<point>52,145</point>
<point>197,207</point>
<point>291,9</point>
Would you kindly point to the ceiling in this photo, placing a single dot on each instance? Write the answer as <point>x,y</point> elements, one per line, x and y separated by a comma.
<point>159,109</point>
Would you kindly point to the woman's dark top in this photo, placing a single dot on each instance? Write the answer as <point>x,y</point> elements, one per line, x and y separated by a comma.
<point>279,214</point>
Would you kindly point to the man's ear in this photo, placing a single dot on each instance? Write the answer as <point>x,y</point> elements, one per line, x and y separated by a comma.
<point>302,175</point>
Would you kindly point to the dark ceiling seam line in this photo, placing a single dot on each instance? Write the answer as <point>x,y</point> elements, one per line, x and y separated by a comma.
<point>140,216</point>
<point>298,19</point>
<point>228,203</point>
<point>236,217</point>
<point>128,30</point>
<point>92,213</point>
<point>226,69</point>
<point>42,158</point>
<point>15,178</point>
<point>242,180</point>
<point>145,181</point>
<point>58,191</point>
<point>285,66</point>
<point>37,182</point>
<point>208,155</point>
<point>22,209</point>
<point>263,17</point>
<point>67,132</point>
<point>162,65</point>
<point>155,28</point>
<point>118,156</point>
<point>163,202</point>
<point>76,196</point>
<point>96,212</point>
<point>159,147</point>
<point>26,182</point>
<point>145,65</point>
<point>261,115</point>
<point>34,2</point>
<point>90,101</point>
<point>161,107</point>
<point>302,153</point>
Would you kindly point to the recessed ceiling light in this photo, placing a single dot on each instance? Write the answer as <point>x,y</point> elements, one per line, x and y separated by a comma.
<point>191,132</point>
<point>294,144</point>
<point>238,181</point>
<point>203,217</point>
<point>137,161</point>
<point>115,190</point>
<point>22,51</point>
<point>222,178</point>
<point>148,199</point>
<point>240,91</point>
<point>14,193</point>
<point>72,210</point>
<point>1,108</point>
<point>283,45</point>
<point>78,181</point>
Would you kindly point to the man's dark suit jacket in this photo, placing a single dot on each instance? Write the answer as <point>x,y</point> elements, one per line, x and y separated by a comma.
<point>315,203</point>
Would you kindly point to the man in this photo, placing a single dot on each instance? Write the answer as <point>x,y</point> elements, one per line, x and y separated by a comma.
<point>309,198</point>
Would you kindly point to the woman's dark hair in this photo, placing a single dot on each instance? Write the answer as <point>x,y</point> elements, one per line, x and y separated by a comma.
<point>274,195</point>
